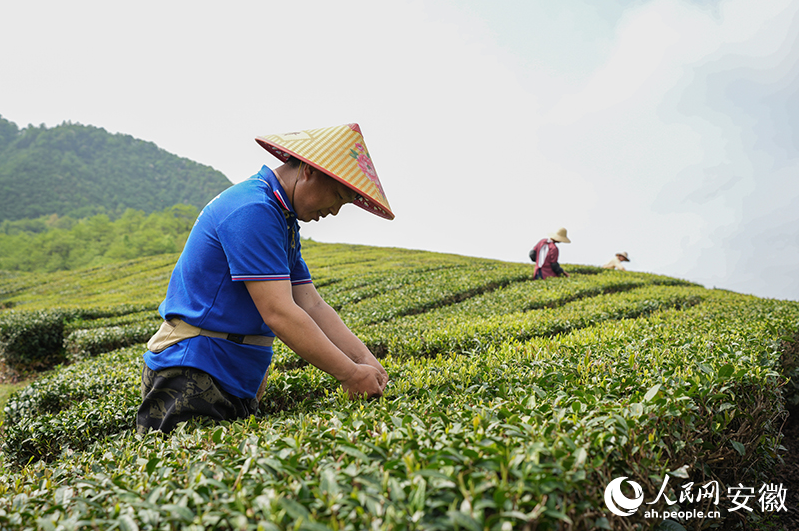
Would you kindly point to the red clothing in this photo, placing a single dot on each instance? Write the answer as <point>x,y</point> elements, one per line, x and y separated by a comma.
<point>545,263</point>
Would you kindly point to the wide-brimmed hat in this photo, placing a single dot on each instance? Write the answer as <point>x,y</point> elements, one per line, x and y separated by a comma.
<point>560,236</point>
<point>341,153</point>
<point>624,256</point>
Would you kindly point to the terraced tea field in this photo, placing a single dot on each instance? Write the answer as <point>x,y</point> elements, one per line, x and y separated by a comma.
<point>512,404</point>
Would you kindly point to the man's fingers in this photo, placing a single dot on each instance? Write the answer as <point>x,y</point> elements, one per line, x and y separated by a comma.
<point>367,382</point>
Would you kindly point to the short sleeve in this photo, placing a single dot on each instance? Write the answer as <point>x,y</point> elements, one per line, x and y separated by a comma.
<point>254,239</point>
<point>300,273</point>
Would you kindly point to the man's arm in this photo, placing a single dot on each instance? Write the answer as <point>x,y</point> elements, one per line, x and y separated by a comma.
<point>300,332</point>
<point>558,270</point>
<point>307,297</point>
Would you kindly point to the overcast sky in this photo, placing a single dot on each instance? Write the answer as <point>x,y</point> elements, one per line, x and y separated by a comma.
<point>664,128</point>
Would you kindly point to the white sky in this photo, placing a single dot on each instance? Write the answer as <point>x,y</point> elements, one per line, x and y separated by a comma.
<point>664,128</point>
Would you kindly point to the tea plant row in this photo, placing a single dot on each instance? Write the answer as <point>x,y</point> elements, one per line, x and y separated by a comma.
<point>444,338</point>
<point>512,403</point>
<point>524,434</point>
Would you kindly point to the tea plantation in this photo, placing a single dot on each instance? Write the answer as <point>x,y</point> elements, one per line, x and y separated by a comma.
<point>512,404</point>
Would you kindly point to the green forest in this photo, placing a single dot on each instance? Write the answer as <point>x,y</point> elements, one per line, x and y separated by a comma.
<point>53,243</point>
<point>79,171</point>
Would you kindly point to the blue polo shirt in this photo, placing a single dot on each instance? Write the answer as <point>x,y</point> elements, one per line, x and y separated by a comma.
<point>249,232</point>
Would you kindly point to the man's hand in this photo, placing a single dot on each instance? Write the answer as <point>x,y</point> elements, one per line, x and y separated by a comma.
<point>370,360</point>
<point>366,380</point>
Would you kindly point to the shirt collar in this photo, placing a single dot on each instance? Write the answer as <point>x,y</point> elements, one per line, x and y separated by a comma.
<point>268,176</point>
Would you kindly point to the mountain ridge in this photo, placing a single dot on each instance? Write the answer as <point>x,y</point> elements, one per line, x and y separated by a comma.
<point>78,170</point>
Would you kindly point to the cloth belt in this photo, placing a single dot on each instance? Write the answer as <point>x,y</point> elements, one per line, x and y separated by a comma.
<point>173,331</point>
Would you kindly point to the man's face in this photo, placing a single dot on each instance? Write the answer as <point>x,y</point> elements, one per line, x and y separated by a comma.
<point>319,195</point>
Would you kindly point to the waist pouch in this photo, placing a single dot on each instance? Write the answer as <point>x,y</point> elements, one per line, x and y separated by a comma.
<point>173,331</point>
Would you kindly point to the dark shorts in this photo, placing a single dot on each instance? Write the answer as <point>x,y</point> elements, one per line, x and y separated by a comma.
<point>178,394</point>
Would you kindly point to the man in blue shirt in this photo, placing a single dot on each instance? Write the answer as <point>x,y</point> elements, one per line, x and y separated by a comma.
<point>241,280</point>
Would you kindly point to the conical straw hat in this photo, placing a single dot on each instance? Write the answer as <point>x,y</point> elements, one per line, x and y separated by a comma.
<point>341,153</point>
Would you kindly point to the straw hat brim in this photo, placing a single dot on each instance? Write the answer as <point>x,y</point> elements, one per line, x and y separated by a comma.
<point>343,168</point>
<point>558,238</point>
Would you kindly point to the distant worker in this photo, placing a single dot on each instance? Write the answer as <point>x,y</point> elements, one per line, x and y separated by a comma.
<point>616,262</point>
<point>241,281</point>
<point>545,255</point>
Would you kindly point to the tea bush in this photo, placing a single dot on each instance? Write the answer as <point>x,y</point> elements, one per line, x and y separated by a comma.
<point>511,405</point>
<point>68,386</point>
<point>33,340</point>
<point>446,332</point>
<point>401,295</point>
<point>140,283</point>
<point>90,337</point>
<point>85,343</point>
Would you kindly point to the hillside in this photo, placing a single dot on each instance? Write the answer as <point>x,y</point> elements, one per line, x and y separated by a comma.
<point>512,404</point>
<point>77,171</point>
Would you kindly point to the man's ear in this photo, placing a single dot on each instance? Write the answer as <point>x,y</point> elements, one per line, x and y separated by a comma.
<point>308,171</point>
<point>315,174</point>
